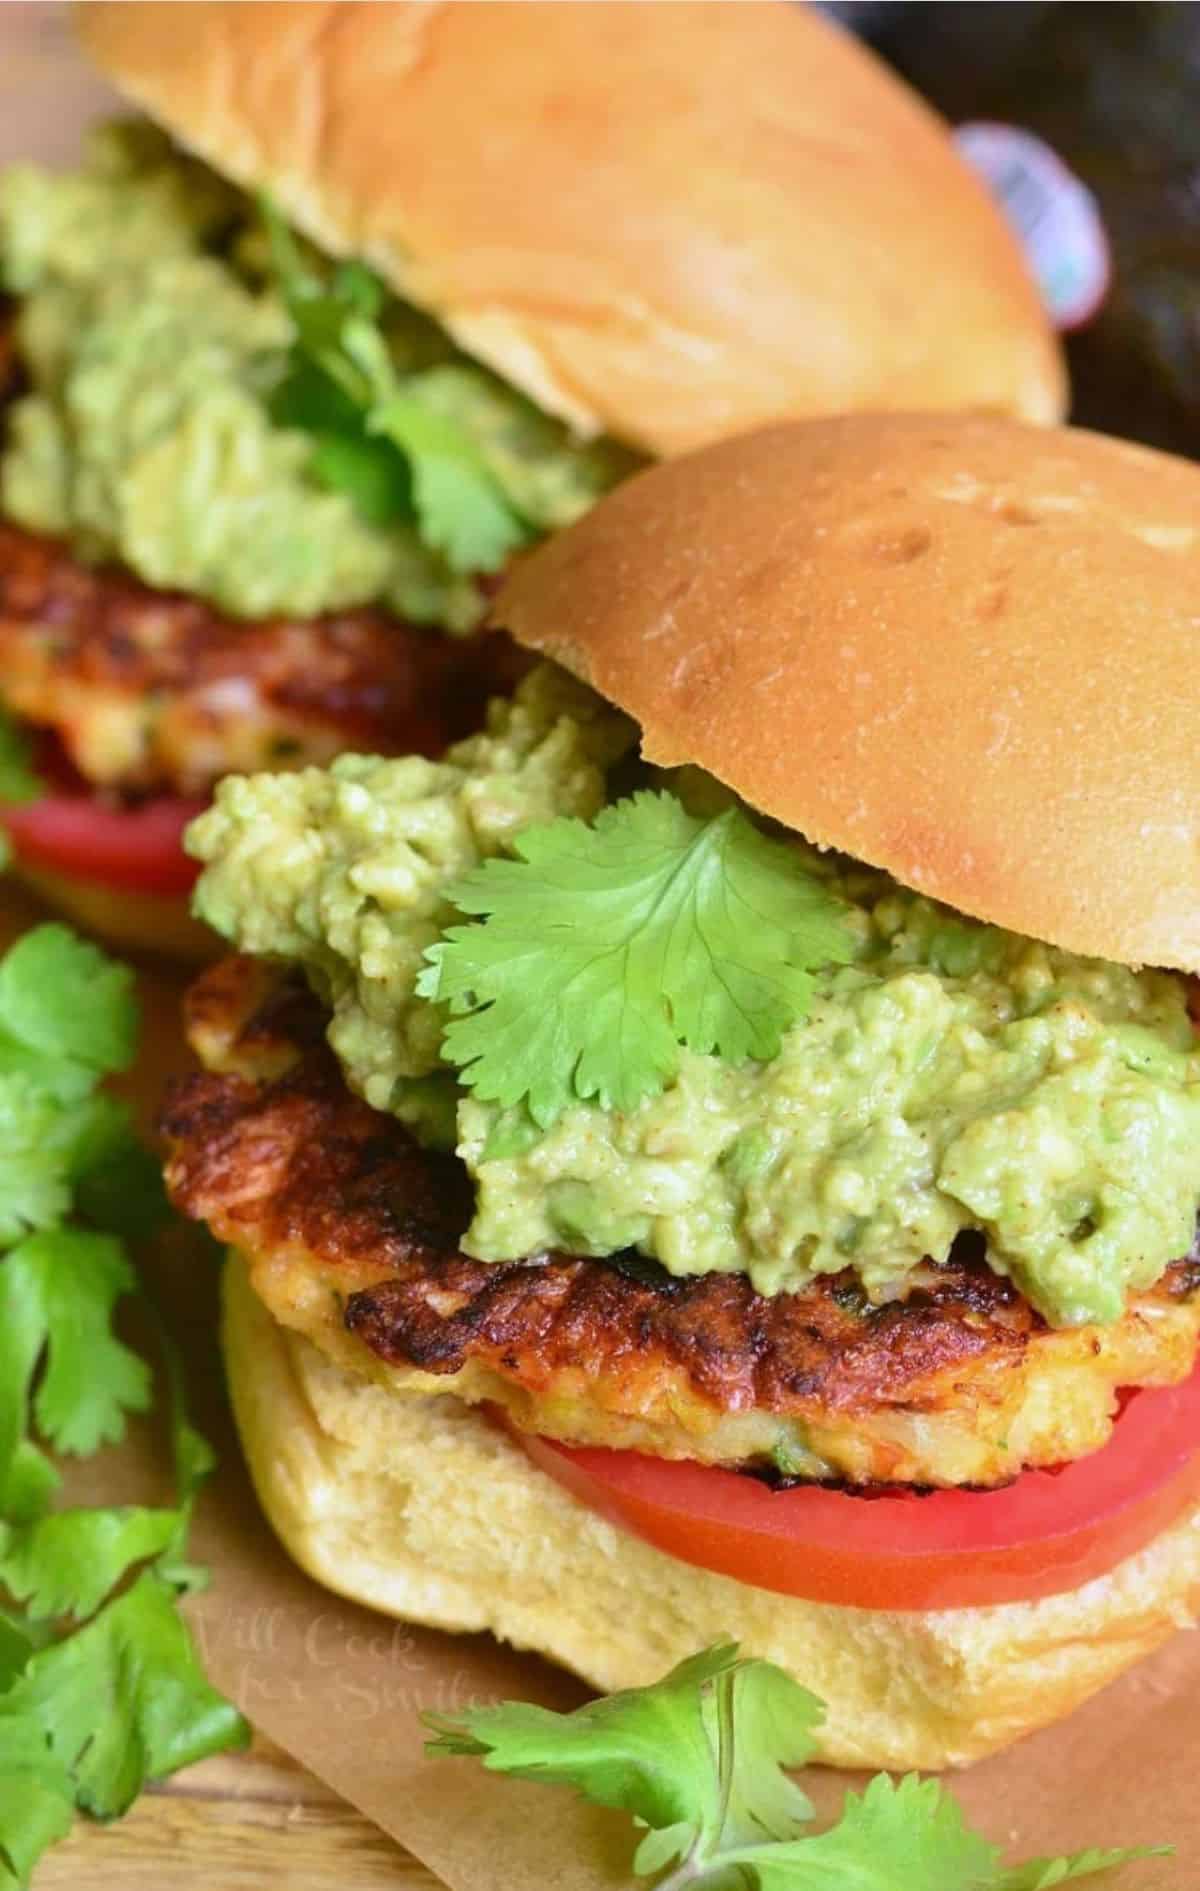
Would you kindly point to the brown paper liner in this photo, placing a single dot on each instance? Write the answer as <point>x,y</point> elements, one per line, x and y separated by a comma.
<point>342,1689</point>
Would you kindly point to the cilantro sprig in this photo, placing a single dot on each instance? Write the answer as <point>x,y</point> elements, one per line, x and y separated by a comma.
<point>120,1701</point>
<point>67,1021</point>
<point>62,1369</point>
<point>602,949</point>
<point>100,1686</point>
<point>377,434</point>
<point>701,1761</point>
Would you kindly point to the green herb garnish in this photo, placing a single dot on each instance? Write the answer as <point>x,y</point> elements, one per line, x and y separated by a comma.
<point>67,1021</point>
<point>376,436</point>
<point>461,510</point>
<point>100,1685</point>
<point>604,948</point>
<point>701,1760</point>
<point>120,1701</point>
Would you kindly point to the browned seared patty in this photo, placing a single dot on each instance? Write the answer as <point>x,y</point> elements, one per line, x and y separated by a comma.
<point>351,1233</point>
<point>153,691</point>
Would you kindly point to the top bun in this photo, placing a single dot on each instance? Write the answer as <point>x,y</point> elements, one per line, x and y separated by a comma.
<point>958,648</point>
<point>667,222</point>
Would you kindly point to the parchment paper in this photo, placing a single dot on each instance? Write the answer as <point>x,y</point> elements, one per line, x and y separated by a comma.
<point>341,1688</point>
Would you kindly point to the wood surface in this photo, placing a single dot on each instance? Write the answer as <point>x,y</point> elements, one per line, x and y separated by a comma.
<point>236,1823</point>
<point>246,1821</point>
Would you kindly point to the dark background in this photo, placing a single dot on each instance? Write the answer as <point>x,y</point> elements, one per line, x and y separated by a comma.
<point>1115,89</point>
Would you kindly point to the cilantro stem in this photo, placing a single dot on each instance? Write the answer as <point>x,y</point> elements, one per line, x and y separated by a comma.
<point>704,1760</point>
<point>723,1733</point>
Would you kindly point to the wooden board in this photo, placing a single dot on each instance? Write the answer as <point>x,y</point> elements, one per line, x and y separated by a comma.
<point>241,1822</point>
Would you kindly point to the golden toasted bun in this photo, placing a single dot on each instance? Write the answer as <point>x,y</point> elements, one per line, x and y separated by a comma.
<point>666,222</point>
<point>132,922</point>
<point>423,1509</point>
<point>957,648</point>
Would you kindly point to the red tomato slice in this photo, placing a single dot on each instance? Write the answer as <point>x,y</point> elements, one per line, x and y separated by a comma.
<point>138,849</point>
<point>1047,1532</point>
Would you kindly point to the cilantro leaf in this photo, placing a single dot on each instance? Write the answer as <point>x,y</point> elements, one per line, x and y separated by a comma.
<point>653,1751</point>
<point>35,1160</point>
<point>86,1137</point>
<point>370,470</point>
<point>763,1722</point>
<point>67,1563</point>
<point>122,1700</point>
<point>1040,1874</point>
<point>67,1018</point>
<point>374,436</point>
<point>326,391</point>
<point>64,1080</point>
<point>905,1834</point>
<point>604,948</point>
<point>57,1292</point>
<point>63,998</point>
<point>460,505</point>
<point>85,1717</point>
<point>118,1181</point>
<point>307,398</point>
<point>36,1801</point>
<point>192,1456</point>
<point>700,1759</point>
<point>193,1461</point>
<point>18,779</point>
<point>91,1379</point>
<point>51,1152</point>
<point>17,1642</point>
<point>27,1482</point>
<point>324,307</point>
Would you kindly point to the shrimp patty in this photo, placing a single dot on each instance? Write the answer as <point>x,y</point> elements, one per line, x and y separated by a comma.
<point>351,1232</point>
<point>155,692</point>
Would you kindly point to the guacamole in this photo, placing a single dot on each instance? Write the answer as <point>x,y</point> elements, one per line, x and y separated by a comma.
<point>952,1077</point>
<point>151,331</point>
<point>343,870</point>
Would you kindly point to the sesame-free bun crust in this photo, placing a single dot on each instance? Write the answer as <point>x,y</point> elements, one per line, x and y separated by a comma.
<point>961,649</point>
<point>667,222</point>
<point>152,923</point>
<point>425,1510</point>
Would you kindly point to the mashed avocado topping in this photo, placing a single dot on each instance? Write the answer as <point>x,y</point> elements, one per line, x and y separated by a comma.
<point>154,337</point>
<point>952,1076</point>
<point>344,870</point>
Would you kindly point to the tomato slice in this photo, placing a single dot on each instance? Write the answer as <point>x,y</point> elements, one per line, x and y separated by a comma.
<point>1047,1532</point>
<point>136,849</point>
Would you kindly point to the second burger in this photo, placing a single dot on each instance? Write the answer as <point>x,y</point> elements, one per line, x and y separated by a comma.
<point>719,1151</point>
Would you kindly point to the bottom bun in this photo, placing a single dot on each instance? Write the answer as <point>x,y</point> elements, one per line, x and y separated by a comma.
<point>133,922</point>
<point>422,1508</point>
